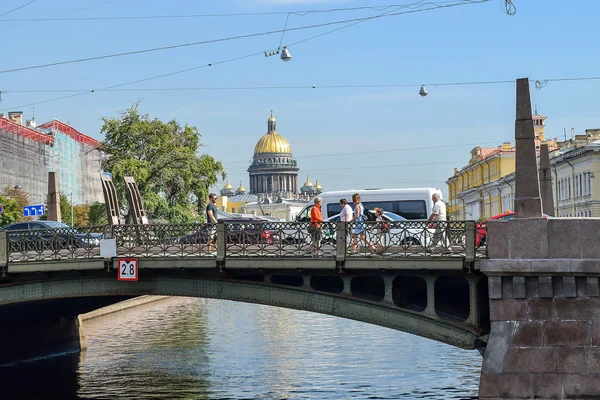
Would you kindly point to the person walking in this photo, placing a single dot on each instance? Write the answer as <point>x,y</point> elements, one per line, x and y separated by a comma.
<point>346,213</point>
<point>438,214</point>
<point>359,225</point>
<point>211,218</point>
<point>382,228</point>
<point>316,219</point>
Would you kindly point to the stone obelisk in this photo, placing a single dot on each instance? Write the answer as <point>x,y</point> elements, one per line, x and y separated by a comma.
<point>528,203</point>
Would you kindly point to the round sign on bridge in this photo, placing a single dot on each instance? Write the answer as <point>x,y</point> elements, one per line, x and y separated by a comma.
<point>1,208</point>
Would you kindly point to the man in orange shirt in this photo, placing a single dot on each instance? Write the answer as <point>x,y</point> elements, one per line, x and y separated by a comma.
<point>316,217</point>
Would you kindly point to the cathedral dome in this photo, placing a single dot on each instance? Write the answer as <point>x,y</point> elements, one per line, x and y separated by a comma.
<point>272,142</point>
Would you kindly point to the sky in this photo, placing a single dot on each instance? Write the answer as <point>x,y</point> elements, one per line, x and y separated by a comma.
<point>347,138</point>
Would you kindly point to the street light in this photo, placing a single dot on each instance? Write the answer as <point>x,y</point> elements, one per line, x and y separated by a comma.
<point>71,194</point>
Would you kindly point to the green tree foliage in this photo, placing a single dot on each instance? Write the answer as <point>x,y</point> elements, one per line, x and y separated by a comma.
<point>12,212</point>
<point>65,209</point>
<point>12,201</point>
<point>97,215</point>
<point>163,158</point>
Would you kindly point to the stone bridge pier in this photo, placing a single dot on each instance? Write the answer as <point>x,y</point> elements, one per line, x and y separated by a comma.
<point>544,310</point>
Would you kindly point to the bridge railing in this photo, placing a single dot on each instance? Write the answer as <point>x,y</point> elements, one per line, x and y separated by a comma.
<point>250,239</point>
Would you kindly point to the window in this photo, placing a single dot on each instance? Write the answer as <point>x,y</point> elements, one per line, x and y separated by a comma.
<point>304,215</point>
<point>409,209</point>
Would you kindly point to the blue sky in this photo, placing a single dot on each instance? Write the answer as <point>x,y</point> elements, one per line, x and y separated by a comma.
<point>545,39</point>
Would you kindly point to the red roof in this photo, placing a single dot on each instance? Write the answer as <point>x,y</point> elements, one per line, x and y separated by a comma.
<point>18,129</point>
<point>70,131</point>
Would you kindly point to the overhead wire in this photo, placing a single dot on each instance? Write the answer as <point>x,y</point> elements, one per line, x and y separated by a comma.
<point>378,151</point>
<point>349,22</point>
<point>17,8</point>
<point>464,2</point>
<point>297,87</point>
<point>300,13</point>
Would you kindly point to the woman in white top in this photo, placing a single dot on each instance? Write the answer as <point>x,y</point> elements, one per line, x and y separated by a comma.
<point>346,213</point>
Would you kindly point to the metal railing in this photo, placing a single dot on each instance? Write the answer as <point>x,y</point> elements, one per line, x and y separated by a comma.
<point>338,241</point>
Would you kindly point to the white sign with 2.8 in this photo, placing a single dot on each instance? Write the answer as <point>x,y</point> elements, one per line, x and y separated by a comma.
<point>128,269</point>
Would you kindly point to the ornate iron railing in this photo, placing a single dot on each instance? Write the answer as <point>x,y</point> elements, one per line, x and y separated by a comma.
<point>54,244</point>
<point>252,239</point>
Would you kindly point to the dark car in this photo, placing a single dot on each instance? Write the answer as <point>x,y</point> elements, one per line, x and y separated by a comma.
<point>247,230</point>
<point>48,235</point>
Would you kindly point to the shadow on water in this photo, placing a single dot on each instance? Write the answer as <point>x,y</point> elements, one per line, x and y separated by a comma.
<point>54,377</point>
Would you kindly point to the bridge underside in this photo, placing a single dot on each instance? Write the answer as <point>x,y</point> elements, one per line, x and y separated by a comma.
<point>450,307</point>
<point>44,327</point>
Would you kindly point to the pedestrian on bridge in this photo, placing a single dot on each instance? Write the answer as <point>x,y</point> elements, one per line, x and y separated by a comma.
<point>316,219</point>
<point>346,213</point>
<point>359,225</point>
<point>211,218</point>
<point>438,217</point>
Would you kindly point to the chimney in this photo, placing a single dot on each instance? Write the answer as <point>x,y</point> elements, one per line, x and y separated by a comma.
<point>506,146</point>
<point>16,117</point>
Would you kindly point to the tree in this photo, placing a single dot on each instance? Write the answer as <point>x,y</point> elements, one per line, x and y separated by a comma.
<point>82,214</point>
<point>12,212</point>
<point>163,159</point>
<point>65,209</point>
<point>12,201</point>
<point>97,214</point>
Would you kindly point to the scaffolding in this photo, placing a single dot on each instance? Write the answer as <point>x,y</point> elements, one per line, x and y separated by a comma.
<point>27,155</point>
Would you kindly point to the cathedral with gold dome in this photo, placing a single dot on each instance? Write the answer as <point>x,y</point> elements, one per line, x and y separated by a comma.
<point>273,178</point>
<point>273,170</point>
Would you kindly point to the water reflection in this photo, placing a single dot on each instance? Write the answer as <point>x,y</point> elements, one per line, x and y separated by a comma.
<point>208,349</point>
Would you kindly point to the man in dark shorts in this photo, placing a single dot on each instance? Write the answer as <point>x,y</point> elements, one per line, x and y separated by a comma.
<point>211,218</point>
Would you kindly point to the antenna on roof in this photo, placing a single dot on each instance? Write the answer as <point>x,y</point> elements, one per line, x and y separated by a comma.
<point>565,133</point>
<point>536,110</point>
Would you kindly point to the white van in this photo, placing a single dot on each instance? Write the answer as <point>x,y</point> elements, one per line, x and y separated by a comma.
<point>412,204</point>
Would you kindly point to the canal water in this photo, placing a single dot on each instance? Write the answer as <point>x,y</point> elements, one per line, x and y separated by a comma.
<point>183,348</point>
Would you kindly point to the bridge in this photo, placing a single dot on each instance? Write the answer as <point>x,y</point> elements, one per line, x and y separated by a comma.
<point>409,283</point>
<point>531,298</point>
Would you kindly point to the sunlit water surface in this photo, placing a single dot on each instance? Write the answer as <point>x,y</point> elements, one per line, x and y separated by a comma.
<point>183,348</point>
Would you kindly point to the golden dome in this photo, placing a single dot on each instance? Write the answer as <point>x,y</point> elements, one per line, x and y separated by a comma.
<point>241,188</point>
<point>318,185</point>
<point>228,186</point>
<point>307,183</point>
<point>272,142</point>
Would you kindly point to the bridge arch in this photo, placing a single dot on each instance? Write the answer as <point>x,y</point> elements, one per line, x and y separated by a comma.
<point>277,290</point>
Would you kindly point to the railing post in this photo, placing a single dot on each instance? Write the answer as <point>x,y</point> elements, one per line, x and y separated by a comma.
<point>340,247</point>
<point>221,241</point>
<point>469,240</point>
<point>4,245</point>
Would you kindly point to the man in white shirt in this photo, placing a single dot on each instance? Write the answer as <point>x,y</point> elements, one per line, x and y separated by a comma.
<point>438,213</point>
<point>346,214</point>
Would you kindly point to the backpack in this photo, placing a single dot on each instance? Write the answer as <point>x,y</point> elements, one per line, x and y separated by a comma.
<point>367,216</point>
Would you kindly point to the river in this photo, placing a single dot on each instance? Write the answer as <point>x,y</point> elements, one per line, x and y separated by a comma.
<point>183,348</point>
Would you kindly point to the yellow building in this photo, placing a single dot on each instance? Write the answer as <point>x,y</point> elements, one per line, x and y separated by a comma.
<point>476,191</point>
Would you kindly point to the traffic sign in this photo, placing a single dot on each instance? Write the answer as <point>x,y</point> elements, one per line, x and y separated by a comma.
<point>1,209</point>
<point>35,210</point>
<point>128,269</point>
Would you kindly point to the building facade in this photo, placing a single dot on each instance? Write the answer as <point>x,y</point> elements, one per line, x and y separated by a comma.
<point>485,186</point>
<point>574,168</point>
<point>28,153</point>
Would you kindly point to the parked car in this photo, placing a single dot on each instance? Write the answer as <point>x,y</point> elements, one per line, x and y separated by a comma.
<point>48,235</point>
<point>481,227</point>
<point>246,230</point>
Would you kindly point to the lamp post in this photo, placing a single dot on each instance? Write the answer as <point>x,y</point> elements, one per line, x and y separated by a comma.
<point>72,214</point>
